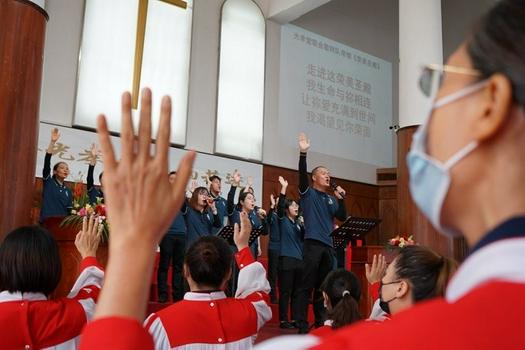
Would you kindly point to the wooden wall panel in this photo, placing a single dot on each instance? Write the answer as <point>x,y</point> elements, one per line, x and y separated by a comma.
<point>22,34</point>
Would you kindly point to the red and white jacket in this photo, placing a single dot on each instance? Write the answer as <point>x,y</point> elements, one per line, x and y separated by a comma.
<point>30,321</point>
<point>203,321</point>
<point>483,309</point>
<point>213,321</point>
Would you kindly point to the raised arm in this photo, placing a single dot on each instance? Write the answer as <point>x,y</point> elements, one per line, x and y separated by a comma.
<point>136,225</point>
<point>46,171</point>
<point>91,168</point>
<point>230,204</point>
<point>282,197</point>
<point>252,283</point>
<point>341,214</point>
<point>304,145</point>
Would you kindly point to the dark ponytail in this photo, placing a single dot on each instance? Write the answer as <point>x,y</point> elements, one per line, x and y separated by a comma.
<point>427,272</point>
<point>209,261</point>
<point>344,291</point>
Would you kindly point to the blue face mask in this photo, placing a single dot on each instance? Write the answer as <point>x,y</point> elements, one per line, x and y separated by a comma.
<point>429,178</point>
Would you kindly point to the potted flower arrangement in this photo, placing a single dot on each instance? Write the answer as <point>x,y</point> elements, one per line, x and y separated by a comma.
<point>82,208</point>
<point>400,241</point>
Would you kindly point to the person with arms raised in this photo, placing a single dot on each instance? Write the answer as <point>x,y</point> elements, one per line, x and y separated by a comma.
<point>319,211</point>
<point>57,198</point>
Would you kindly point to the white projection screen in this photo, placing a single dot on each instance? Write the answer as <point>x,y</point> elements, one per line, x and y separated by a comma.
<point>339,96</point>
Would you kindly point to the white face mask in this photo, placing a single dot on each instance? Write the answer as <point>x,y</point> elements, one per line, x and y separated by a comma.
<point>429,178</point>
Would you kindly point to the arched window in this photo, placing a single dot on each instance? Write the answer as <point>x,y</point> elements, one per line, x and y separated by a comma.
<point>240,100</point>
<point>128,45</point>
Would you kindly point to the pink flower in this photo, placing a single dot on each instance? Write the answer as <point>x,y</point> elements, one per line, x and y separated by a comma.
<point>82,212</point>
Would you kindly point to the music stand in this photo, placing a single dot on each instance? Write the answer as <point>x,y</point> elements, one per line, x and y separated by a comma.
<point>352,229</point>
<point>227,233</point>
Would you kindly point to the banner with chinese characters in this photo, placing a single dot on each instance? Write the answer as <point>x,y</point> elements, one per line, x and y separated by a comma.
<point>73,147</point>
<point>341,97</point>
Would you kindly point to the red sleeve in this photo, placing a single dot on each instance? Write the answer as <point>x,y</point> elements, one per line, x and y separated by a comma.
<point>373,290</point>
<point>88,262</point>
<point>55,321</point>
<point>115,333</point>
<point>244,258</point>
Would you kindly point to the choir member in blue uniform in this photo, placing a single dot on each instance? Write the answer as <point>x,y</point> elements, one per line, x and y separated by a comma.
<point>274,247</point>
<point>57,198</point>
<point>220,202</point>
<point>172,247</point>
<point>291,257</point>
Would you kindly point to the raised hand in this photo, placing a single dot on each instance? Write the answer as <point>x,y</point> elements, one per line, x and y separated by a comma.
<point>272,201</point>
<point>88,239</point>
<point>376,272</point>
<point>137,190</point>
<point>241,234</point>
<point>236,177</point>
<point>304,143</point>
<point>94,154</point>
<point>142,205</point>
<point>283,182</point>
<point>249,182</point>
<point>55,135</point>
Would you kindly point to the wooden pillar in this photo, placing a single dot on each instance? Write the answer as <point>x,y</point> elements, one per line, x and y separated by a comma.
<point>22,34</point>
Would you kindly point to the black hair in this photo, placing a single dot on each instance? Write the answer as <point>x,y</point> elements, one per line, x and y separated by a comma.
<point>344,291</point>
<point>427,272</point>
<point>288,202</point>
<point>55,167</point>
<point>173,172</point>
<point>100,177</point>
<point>209,261</point>
<point>215,177</point>
<point>243,195</point>
<point>29,261</point>
<point>496,45</point>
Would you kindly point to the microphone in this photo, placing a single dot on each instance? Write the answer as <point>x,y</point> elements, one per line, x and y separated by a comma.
<point>334,187</point>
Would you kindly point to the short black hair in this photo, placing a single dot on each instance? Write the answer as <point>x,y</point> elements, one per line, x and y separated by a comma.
<point>173,172</point>
<point>209,261</point>
<point>314,170</point>
<point>213,177</point>
<point>29,261</point>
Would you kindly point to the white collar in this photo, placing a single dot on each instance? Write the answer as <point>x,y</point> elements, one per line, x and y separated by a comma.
<point>16,296</point>
<point>328,323</point>
<point>204,296</point>
<point>503,260</point>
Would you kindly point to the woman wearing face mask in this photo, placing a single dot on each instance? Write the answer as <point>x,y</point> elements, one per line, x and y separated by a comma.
<point>416,274</point>
<point>467,167</point>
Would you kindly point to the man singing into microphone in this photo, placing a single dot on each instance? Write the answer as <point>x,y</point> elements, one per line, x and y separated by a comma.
<point>319,209</point>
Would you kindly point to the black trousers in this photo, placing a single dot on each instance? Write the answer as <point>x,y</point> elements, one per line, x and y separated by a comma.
<point>273,271</point>
<point>172,247</point>
<point>319,260</point>
<point>290,280</point>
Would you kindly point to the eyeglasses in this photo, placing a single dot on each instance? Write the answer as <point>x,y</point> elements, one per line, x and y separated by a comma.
<point>432,76</point>
<point>381,284</point>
